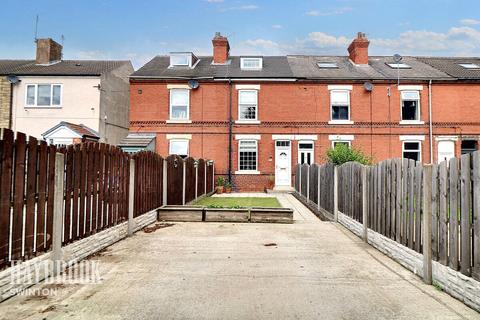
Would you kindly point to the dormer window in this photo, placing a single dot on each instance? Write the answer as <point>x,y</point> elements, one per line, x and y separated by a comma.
<point>182,59</point>
<point>251,63</point>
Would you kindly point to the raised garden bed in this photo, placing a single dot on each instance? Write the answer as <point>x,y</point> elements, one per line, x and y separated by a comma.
<point>199,213</point>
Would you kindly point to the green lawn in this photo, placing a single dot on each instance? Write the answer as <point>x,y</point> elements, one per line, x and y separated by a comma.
<point>238,202</point>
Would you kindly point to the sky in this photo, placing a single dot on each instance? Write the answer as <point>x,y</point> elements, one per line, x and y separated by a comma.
<point>140,29</point>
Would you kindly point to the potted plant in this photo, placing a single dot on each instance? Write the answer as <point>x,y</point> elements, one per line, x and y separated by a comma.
<point>228,187</point>
<point>220,185</point>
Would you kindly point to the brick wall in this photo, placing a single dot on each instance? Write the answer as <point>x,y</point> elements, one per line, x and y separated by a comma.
<point>4,102</point>
<point>303,109</point>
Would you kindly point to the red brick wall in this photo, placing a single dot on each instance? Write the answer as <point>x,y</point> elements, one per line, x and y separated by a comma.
<point>303,108</point>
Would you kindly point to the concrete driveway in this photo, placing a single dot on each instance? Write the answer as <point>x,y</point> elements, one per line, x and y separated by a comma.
<point>308,270</point>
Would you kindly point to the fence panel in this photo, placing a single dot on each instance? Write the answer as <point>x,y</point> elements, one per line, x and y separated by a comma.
<point>313,183</point>
<point>210,174</point>
<point>190,177</point>
<point>174,180</point>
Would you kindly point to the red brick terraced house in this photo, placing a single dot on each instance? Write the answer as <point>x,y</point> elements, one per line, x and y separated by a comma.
<point>258,116</point>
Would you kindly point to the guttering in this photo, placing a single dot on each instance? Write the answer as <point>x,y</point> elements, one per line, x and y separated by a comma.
<point>257,79</point>
<point>168,78</point>
<point>430,126</point>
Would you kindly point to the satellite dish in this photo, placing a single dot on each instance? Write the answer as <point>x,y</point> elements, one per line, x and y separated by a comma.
<point>368,86</point>
<point>13,79</point>
<point>397,58</point>
<point>193,84</point>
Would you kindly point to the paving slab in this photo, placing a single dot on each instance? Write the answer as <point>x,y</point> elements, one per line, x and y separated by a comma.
<point>306,270</point>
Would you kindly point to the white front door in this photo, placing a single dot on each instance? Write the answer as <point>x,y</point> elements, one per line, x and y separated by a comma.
<point>283,163</point>
<point>446,150</point>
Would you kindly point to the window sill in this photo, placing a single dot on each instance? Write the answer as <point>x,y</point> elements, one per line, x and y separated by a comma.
<point>412,122</point>
<point>340,122</point>
<point>247,122</point>
<point>247,172</point>
<point>179,121</point>
<point>43,107</point>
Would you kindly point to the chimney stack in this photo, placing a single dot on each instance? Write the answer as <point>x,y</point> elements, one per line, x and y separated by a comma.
<point>221,49</point>
<point>358,49</point>
<point>48,51</point>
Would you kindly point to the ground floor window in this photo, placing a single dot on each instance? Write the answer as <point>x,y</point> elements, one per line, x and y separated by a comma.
<point>345,143</point>
<point>179,147</point>
<point>305,152</point>
<point>469,146</point>
<point>412,150</point>
<point>247,155</point>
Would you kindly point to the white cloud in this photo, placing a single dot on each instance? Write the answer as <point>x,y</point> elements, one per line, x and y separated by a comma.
<point>90,55</point>
<point>457,41</point>
<point>214,1</point>
<point>470,22</point>
<point>241,8</point>
<point>277,26</point>
<point>336,11</point>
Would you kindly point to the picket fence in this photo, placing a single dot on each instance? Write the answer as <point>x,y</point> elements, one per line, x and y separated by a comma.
<point>96,179</point>
<point>394,194</point>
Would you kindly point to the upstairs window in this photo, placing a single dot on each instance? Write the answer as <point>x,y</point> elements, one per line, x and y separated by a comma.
<point>251,63</point>
<point>43,95</point>
<point>340,104</point>
<point>247,104</point>
<point>179,147</point>
<point>412,150</point>
<point>179,104</point>
<point>247,155</point>
<point>410,105</point>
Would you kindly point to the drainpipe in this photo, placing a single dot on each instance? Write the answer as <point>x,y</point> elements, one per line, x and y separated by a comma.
<point>230,130</point>
<point>430,127</point>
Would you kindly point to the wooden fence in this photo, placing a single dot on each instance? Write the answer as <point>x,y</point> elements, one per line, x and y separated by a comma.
<point>95,190</point>
<point>315,183</point>
<point>394,192</point>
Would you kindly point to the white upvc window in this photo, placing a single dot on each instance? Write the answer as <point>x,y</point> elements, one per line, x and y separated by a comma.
<point>410,105</point>
<point>340,105</point>
<point>336,143</point>
<point>179,104</point>
<point>247,155</point>
<point>181,59</point>
<point>247,104</point>
<point>412,150</point>
<point>253,63</point>
<point>305,152</point>
<point>179,147</point>
<point>43,95</point>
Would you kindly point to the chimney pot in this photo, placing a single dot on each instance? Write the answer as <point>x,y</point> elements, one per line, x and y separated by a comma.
<point>358,49</point>
<point>48,51</point>
<point>221,49</point>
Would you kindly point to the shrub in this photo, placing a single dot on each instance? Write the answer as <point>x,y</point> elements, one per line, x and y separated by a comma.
<point>343,153</point>
<point>220,181</point>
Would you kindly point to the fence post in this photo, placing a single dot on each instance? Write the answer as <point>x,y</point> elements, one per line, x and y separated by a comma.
<point>131,197</point>
<point>308,183</point>
<point>57,253</point>
<point>364,204</point>
<point>335,194</point>
<point>205,177</point>
<point>165,182</point>
<point>184,178</point>
<point>319,170</point>
<point>427,224</point>
<point>213,176</point>
<point>196,179</point>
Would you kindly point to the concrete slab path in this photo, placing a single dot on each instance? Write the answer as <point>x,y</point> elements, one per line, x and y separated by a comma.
<point>313,270</point>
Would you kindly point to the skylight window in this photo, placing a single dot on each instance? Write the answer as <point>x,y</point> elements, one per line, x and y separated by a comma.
<point>471,66</point>
<point>327,65</point>
<point>399,66</point>
<point>251,63</point>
